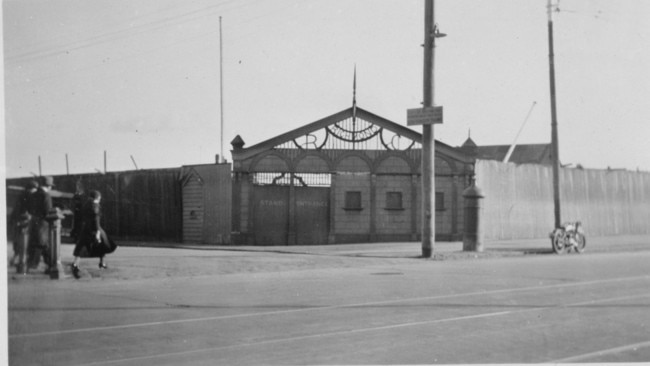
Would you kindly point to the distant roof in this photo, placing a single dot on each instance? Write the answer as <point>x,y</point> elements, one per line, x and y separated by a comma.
<point>523,154</point>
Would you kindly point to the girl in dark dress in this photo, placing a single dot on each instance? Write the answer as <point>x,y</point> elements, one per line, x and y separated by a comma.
<point>93,241</point>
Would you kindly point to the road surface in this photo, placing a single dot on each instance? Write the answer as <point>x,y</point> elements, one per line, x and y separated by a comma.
<point>370,304</point>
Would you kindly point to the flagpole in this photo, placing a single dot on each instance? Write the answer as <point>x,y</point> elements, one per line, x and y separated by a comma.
<point>221,90</point>
<point>354,107</point>
<point>354,95</point>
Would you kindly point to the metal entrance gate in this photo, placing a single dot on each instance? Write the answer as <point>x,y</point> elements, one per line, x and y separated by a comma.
<point>271,215</point>
<point>286,215</point>
<point>312,215</point>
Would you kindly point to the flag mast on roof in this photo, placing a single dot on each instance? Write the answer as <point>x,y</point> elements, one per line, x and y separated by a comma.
<point>221,158</point>
<point>354,95</point>
<point>354,107</point>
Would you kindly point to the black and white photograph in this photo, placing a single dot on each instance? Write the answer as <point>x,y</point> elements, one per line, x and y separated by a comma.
<point>325,182</point>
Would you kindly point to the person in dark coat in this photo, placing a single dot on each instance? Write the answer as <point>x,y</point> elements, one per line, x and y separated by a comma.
<point>77,206</point>
<point>20,221</point>
<point>93,241</point>
<point>39,231</point>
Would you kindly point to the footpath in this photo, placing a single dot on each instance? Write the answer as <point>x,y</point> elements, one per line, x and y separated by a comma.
<point>156,260</point>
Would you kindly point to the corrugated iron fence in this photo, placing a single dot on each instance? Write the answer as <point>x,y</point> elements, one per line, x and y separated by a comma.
<point>519,200</point>
<point>137,205</point>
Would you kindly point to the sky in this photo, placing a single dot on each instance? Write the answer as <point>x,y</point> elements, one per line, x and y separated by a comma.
<point>139,80</point>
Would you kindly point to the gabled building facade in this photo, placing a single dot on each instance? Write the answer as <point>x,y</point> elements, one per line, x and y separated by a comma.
<point>206,190</point>
<point>349,177</point>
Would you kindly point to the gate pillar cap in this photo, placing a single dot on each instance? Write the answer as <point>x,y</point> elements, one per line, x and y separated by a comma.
<point>473,192</point>
<point>237,143</point>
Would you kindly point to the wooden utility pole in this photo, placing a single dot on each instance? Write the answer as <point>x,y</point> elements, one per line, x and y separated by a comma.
<point>555,150</point>
<point>428,140</point>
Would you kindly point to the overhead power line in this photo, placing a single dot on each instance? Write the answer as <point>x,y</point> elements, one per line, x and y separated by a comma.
<point>125,57</point>
<point>119,34</point>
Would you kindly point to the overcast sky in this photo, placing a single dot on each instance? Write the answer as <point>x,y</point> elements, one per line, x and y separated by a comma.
<point>140,78</point>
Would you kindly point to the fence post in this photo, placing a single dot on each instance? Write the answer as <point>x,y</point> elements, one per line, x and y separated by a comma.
<point>56,268</point>
<point>473,233</point>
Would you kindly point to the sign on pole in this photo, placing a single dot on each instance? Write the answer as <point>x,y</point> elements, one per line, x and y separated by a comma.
<point>424,116</point>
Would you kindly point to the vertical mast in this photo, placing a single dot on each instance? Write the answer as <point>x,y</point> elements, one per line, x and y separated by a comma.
<point>221,90</point>
<point>554,134</point>
<point>428,139</point>
<point>354,108</point>
<point>354,95</point>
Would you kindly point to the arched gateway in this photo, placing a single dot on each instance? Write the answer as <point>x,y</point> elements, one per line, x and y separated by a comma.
<point>349,177</point>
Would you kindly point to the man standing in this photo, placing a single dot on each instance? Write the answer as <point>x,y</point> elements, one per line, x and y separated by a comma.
<point>20,222</point>
<point>40,228</point>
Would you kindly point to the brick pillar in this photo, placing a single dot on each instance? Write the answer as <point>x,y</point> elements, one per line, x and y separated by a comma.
<point>473,233</point>
<point>331,238</point>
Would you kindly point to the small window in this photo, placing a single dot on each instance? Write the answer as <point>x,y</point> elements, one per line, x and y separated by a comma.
<point>440,201</point>
<point>394,201</point>
<point>352,200</point>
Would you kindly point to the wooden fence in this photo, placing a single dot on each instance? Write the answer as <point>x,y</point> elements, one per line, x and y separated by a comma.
<point>137,205</point>
<point>518,200</point>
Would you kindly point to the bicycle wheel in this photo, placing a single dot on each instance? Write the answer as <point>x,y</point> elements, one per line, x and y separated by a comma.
<point>581,242</point>
<point>558,242</point>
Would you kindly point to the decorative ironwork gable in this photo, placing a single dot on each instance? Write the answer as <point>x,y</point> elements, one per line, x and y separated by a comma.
<point>355,130</point>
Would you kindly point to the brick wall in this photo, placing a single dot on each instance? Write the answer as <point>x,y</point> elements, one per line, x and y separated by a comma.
<point>394,221</point>
<point>352,221</point>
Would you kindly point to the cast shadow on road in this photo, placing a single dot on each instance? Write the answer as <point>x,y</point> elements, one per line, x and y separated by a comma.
<point>324,251</point>
<point>162,306</point>
<point>490,253</point>
<point>283,307</point>
<point>526,251</point>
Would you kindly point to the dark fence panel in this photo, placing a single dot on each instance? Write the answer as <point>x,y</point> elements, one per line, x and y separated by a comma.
<point>150,205</point>
<point>137,205</point>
